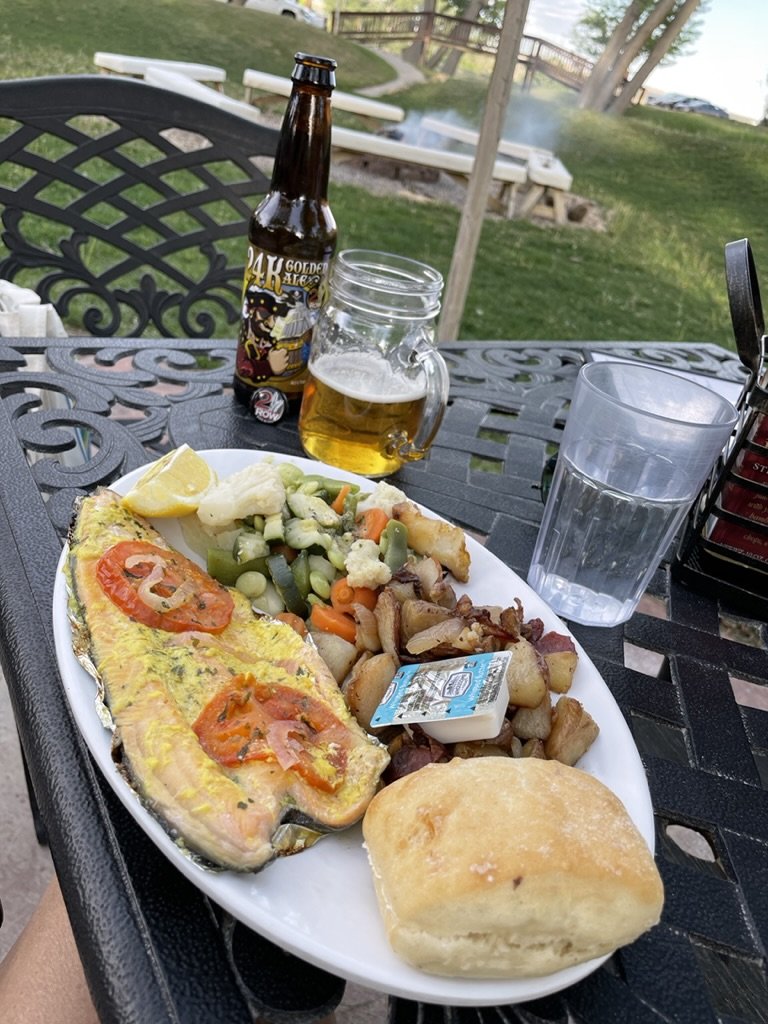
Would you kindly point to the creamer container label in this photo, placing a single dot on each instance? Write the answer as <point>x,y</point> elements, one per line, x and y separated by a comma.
<point>445,690</point>
<point>281,301</point>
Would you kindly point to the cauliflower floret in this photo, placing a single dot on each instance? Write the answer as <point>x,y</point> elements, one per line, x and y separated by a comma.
<point>364,569</point>
<point>256,490</point>
<point>384,496</point>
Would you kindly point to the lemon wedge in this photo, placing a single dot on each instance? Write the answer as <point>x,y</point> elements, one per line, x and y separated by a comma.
<point>172,486</point>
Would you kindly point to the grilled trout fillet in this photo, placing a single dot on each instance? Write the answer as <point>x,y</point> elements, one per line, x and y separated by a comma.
<point>159,686</point>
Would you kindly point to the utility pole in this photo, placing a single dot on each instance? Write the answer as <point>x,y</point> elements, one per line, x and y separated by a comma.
<point>473,214</point>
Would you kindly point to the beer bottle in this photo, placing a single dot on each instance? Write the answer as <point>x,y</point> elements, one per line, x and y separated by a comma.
<point>292,238</point>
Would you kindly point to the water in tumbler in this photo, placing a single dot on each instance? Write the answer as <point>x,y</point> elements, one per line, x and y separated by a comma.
<point>592,564</point>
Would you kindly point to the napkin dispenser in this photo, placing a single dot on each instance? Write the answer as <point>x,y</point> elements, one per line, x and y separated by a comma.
<point>724,549</point>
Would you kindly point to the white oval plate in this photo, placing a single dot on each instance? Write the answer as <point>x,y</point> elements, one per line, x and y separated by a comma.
<point>320,904</point>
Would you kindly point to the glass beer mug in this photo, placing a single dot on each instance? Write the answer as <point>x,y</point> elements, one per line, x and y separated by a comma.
<point>377,387</point>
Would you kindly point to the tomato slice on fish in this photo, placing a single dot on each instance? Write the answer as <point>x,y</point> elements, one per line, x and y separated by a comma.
<point>163,589</point>
<point>248,721</point>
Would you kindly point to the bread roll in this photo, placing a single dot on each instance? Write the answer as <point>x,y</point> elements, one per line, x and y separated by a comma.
<point>497,867</point>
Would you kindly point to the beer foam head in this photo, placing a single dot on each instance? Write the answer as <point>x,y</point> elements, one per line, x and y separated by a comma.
<point>368,377</point>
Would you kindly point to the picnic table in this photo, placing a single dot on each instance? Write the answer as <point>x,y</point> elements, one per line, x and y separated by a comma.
<point>548,179</point>
<point>136,67</point>
<point>688,672</point>
<point>277,88</point>
<point>506,176</point>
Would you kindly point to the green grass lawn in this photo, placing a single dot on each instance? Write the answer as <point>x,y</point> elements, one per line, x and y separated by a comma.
<point>43,38</point>
<point>674,188</point>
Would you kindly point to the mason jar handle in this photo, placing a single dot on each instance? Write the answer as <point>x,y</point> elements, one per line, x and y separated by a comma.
<point>424,354</point>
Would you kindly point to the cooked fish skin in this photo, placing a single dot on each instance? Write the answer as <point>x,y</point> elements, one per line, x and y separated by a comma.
<point>155,684</point>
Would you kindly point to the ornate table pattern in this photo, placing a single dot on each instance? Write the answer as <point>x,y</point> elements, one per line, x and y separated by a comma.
<point>77,413</point>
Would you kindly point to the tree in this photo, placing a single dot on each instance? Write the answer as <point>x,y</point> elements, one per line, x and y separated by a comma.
<point>489,12</point>
<point>473,212</point>
<point>633,40</point>
<point>447,57</point>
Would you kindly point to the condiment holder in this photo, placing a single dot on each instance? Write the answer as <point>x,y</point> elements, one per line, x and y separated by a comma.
<point>724,550</point>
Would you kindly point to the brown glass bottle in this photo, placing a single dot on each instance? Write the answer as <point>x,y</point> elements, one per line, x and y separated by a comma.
<point>292,237</point>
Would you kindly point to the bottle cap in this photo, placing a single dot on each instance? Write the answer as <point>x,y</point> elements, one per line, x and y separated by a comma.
<point>315,70</point>
<point>268,405</point>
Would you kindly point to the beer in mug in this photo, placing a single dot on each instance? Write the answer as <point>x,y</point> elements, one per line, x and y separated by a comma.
<point>377,388</point>
<point>358,413</point>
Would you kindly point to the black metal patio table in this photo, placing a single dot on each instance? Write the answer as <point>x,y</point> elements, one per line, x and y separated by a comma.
<point>154,948</point>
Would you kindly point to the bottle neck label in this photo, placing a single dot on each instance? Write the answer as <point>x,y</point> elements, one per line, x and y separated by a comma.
<point>281,301</point>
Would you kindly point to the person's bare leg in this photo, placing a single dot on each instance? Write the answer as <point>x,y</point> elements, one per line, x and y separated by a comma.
<point>41,977</point>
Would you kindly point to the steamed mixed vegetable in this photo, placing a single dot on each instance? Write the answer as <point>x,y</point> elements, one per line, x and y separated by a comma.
<point>301,545</point>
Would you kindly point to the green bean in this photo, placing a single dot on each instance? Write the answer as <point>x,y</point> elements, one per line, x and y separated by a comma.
<point>333,486</point>
<point>394,545</point>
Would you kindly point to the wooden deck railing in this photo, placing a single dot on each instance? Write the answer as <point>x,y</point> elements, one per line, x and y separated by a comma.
<point>428,27</point>
<point>555,62</point>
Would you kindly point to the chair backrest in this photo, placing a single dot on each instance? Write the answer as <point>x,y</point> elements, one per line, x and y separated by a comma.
<point>127,206</point>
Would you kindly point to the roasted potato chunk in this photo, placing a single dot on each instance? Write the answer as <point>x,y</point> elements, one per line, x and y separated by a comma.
<point>533,723</point>
<point>416,616</point>
<point>434,587</point>
<point>533,748</point>
<point>526,675</point>
<point>559,652</point>
<point>387,612</point>
<point>369,682</point>
<point>434,537</point>
<point>561,665</point>
<point>442,634</point>
<point>478,748</point>
<point>573,732</point>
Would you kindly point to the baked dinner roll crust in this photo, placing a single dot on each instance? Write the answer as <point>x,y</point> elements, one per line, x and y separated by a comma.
<point>496,867</point>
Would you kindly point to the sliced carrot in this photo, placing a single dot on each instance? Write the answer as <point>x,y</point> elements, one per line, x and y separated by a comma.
<point>372,523</point>
<point>329,620</point>
<point>338,502</point>
<point>343,596</point>
<point>366,596</point>
<point>294,621</point>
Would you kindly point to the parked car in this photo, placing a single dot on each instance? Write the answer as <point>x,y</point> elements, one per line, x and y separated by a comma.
<point>288,9</point>
<point>694,106</point>
<point>666,100</point>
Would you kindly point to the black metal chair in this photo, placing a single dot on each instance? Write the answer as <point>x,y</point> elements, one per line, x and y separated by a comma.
<point>125,205</point>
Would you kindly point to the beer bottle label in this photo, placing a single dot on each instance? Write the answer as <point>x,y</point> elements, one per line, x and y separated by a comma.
<point>281,301</point>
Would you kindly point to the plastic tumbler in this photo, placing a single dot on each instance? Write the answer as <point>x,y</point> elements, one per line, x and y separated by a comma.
<point>637,447</point>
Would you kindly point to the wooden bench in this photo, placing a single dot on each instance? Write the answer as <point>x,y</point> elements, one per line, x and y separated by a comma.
<point>506,174</point>
<point>277,86</point>
<point>176,82</point>
<point>548,179</point>
<point>136,67</point>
